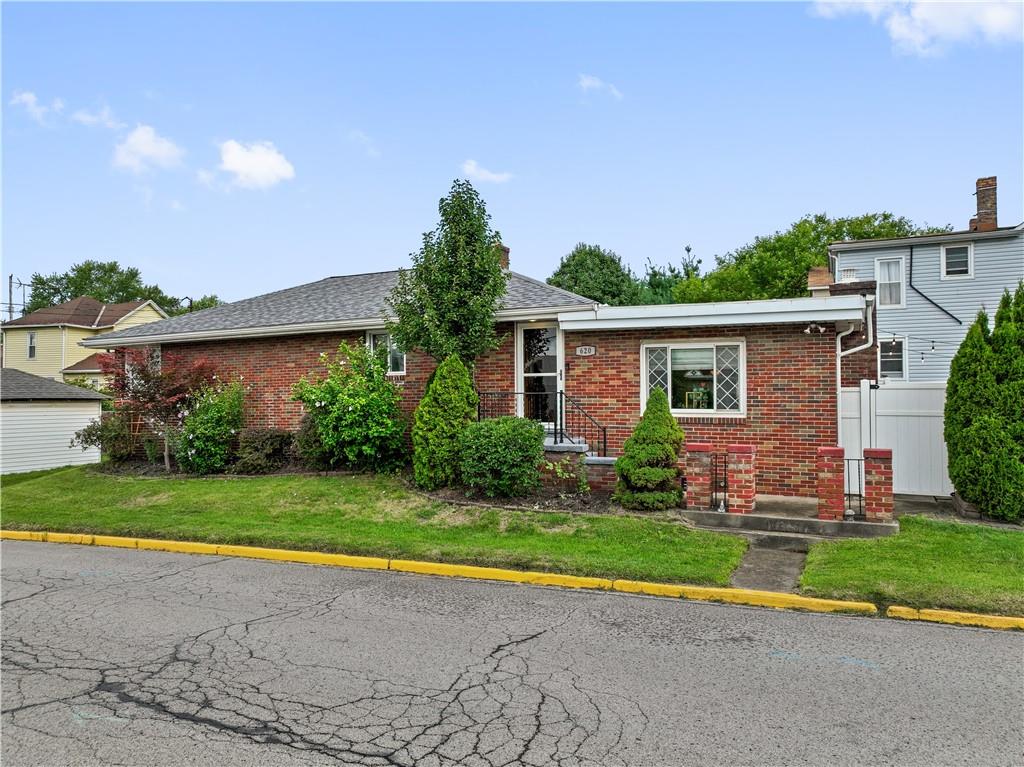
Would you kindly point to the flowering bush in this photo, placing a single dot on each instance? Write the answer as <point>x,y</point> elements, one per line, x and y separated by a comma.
<point>355,408</point>
<point>209,434</point>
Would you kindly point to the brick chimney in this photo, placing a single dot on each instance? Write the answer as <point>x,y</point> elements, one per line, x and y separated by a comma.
<point>985,221</point>
<point>503,251</point>
<point>819,278</point>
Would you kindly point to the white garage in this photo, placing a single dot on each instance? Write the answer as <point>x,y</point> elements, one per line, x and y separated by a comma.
<point>38,418</point>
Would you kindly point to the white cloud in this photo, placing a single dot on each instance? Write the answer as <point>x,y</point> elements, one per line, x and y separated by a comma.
<point>143,149</point>
<point>589,83</point>
<point>177,206</point>
<point>205,177</point>
<point>368,144</point>
<point>36,110</point>
<point>258,165</point>
<point>927,28</point>
<point>473,170</point>
<point>103,117</point>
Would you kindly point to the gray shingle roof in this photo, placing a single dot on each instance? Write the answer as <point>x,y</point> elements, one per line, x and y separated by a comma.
<point>19,385</point>
<point>349,298</point>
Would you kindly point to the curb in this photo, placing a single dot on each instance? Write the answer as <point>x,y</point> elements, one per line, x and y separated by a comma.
<point>748,597</point>
<point>956,618</point>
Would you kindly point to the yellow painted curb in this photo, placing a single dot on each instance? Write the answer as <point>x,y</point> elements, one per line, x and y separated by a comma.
<point>698,593</point>
<point>956,618</point>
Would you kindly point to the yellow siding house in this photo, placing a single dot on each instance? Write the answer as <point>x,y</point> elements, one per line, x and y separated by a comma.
<point>45,342</point>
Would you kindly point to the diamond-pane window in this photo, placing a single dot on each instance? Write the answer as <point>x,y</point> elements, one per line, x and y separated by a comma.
<point>657,368</point>
<point>727,377</point>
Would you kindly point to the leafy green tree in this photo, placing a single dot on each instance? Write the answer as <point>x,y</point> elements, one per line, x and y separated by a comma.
<point>447,407</point>
<point>648,468</point>
<point>596,273</point>
<point>445,304</point>
<point>106,281</point>
<point>971,390</point>
<point>776,266</point>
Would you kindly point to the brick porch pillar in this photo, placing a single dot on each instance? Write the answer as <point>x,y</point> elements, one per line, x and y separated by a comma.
<point>740,476</point>
<point>878,500</point>
<point>831,478</point>
<point>698,475</point>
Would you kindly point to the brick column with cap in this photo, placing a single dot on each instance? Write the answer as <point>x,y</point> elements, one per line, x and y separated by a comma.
<point>740,476</point>
<point>878,501</point>
<point>698,475</point>
<point>831,478</point>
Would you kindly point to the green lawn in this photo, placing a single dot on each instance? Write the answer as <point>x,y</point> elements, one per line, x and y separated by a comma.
<point>927,564</point>
<point>368,515</point>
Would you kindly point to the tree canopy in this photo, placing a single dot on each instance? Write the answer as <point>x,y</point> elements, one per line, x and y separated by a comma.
<point>596,273</point>
<point>776,266</point>
<point>445,304</point>
<point>109,282</point>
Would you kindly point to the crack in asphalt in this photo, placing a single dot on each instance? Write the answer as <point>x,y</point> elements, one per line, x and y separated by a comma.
<point>514,703</point>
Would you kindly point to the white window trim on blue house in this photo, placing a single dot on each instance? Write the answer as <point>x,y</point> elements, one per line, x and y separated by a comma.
<point>970,261</point>
<point>903,284</point>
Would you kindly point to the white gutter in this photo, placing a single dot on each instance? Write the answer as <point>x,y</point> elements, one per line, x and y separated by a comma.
<point>868,311</point>
<point>924,239</point>
<point>266,331</point>
<point>772,311</point>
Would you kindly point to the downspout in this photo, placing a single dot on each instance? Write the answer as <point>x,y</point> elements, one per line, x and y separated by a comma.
<point>911,283</point>
<point>869,312</point>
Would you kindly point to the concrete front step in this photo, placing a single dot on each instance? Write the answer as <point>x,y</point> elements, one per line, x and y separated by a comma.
<point>800,526</point>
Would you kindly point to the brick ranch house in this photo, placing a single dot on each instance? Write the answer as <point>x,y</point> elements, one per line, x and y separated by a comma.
<point>763,373</point>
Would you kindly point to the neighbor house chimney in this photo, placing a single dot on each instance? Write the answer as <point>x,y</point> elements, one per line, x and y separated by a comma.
<point>985,221</point>
<point>818,281</point>
<point>503,256</point>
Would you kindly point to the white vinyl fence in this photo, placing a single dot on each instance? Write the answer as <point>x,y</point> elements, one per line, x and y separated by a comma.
<point>906,417</point>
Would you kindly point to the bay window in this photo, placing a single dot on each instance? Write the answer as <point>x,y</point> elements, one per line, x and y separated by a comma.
<point>700,377</point>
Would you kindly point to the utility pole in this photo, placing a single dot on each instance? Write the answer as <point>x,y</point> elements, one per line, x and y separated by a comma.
<point>10,298</point>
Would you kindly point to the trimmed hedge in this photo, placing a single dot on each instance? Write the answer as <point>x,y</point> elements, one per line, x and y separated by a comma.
<point>262,451</point>
<point>648,468</point>
<point>502,456</point>
<point>447,408</point>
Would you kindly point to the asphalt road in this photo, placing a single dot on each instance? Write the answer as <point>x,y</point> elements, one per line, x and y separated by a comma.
<point>143,658</point>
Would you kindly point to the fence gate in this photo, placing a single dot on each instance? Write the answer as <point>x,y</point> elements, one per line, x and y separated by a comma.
<point>906,417</point>
<point>719,482</point>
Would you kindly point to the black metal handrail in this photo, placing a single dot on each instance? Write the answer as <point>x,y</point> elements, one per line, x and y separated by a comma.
<point>564,417</point>
<point>853,487</point>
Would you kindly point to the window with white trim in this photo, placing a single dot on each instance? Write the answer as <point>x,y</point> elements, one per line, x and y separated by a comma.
<point>31,345</point>
<point>699,377</point>
<point>957,261</point>
<point>396,357</point>
<point>892,358</point>
<point>849,274</point>
<point>889,276</point>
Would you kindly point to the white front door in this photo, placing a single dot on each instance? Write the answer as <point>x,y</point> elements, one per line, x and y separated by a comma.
<point>539,370</point>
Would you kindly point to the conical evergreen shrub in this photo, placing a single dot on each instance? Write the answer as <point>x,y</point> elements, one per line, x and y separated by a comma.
<point>648,468</point>
<point>447,407</point>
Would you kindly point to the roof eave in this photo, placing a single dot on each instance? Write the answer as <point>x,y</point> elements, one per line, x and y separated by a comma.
<point>927,239</point>
<point>99,342</point>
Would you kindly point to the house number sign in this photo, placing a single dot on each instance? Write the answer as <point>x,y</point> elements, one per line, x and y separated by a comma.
<point>586,351</point>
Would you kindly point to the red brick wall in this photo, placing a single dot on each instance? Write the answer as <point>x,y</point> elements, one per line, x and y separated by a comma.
<point>271,366</point>
<point>791,398</point>
<point>862,364</point>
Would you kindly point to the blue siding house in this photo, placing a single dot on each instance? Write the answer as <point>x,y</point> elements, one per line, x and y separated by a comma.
<point>929,288</point>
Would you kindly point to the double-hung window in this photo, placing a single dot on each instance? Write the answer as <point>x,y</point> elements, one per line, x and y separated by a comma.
<point>892,358</point>
<point>889,276</point>
<point>31,345</point>
<point>700,377</point>
<point>957,261</point>
<point>396,357</point>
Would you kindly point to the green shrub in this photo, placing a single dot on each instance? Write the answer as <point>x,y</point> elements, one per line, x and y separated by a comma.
<point>648,468</point>
<point>308,447</point>
<point>448,406</point>
<point>209,434</point>
<point>502,456</point>
<point>356,410</point>
<point>262,451</point>
<point>984,416</point>
<point>154,450</point>
<point>112,434</point>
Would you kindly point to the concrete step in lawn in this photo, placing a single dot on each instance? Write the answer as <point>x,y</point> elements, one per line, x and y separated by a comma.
<point>769,570</point>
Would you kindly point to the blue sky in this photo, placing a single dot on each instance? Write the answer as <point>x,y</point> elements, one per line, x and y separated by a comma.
<point>236,149</point>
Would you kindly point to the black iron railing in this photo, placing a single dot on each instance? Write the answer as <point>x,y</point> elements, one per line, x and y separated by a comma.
<point>719,482</point>
<point>564,418</point>
<point>853,488</point>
